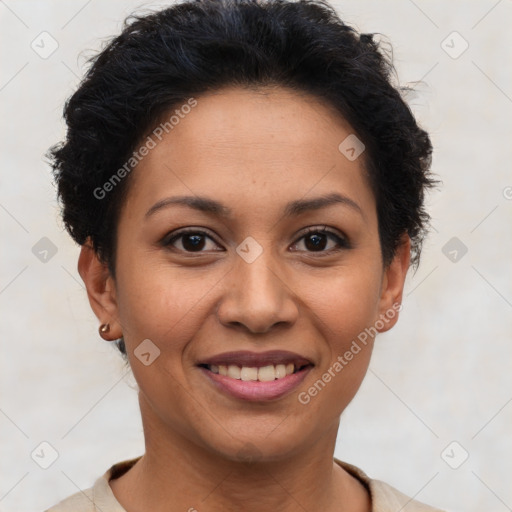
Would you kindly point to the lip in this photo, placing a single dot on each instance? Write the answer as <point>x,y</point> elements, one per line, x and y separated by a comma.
<point>256,359</point>
<point>256,391</point>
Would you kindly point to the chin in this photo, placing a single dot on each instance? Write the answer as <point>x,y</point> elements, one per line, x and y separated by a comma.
<point>257,445</point>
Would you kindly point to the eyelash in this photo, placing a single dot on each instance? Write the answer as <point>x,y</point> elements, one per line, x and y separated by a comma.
<point>342,242</point>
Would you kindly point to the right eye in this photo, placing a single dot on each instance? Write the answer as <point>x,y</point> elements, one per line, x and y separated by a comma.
<point>192,240</point>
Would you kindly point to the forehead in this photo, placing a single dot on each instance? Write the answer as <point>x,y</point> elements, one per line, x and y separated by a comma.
<point>237,144</point>
<point>253,120</point>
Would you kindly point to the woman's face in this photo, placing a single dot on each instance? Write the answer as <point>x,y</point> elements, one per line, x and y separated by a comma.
<point>248,287</point>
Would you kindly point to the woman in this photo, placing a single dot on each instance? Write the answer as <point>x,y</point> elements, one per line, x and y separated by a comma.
<point>247,187</point>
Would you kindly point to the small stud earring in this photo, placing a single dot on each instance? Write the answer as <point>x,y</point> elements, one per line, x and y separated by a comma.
<point>104,329</point>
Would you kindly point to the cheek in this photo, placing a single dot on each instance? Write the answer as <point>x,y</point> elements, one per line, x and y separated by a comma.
<point>344,315</point>
<point>345,302</point>
<point>158,302</point>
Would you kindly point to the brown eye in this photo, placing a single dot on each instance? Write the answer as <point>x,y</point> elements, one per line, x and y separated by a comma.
<point>317,240</point>
<point>191,241</point>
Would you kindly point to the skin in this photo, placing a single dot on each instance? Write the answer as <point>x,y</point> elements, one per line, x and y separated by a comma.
<point>254,151</point>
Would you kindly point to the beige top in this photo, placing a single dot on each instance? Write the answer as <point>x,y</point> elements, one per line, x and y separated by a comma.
<point>100,498</point>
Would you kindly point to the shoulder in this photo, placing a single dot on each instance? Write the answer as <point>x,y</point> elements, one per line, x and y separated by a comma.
<point>385,498</point>
<point>390,499</point>
<point>98,498</point>
<point>81,501</point>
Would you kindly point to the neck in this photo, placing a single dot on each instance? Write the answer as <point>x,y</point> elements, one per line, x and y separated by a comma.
<point>178,471</point>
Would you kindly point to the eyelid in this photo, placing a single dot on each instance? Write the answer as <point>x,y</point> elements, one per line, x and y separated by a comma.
<point>323,229</point>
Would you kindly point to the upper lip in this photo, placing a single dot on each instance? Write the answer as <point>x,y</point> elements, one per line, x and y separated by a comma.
<point>256,359</point>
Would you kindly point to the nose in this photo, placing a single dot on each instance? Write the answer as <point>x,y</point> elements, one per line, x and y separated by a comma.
<point>257,296</point>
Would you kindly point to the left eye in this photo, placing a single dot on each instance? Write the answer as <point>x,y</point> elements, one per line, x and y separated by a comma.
<point>315,240</point>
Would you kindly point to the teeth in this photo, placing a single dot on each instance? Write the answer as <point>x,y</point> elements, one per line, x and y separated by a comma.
<point>281,371</point>
<point>267,373</point>
<point>263,374</point>
<point>233,372</point>
<point>248,373</point>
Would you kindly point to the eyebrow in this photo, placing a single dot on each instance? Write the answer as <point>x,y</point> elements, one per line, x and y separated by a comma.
<point>293,208</point>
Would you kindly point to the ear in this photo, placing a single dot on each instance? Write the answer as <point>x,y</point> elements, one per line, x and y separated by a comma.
<point>392,286</point>
<point>100,287</point>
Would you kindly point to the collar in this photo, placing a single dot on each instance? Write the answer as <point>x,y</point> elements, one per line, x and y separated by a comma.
<point>384,497</point>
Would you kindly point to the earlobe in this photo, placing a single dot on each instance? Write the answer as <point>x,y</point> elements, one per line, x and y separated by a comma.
<point>100,288</point>
<point>393,284</point>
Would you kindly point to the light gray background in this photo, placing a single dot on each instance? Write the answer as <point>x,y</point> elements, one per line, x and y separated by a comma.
<point>443,374</point>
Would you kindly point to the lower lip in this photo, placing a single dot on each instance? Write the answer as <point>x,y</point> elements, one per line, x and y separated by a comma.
<point>255,390</point>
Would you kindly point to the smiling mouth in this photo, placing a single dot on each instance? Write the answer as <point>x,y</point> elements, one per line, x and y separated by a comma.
<point>254,373</point>
<point>253,366</point>
<point>256,376</point>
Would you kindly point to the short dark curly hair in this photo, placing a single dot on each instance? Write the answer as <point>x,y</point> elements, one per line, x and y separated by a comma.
<point>161,59</point>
